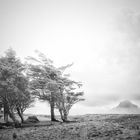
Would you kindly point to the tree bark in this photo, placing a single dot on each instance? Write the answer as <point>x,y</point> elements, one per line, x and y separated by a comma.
<point>20,113</point>
<point>5,113</point>
<point>52,106</point>
<point>52,111</point>
<point>12,116</point>
<point>65,119</point>
<point>61,114</point>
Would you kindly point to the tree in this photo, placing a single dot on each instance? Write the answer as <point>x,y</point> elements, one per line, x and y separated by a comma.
<point>43,77</point>
<point>24,99</point>
<point>67,97</point>
<point>11,89</point>
<point>50,84</point>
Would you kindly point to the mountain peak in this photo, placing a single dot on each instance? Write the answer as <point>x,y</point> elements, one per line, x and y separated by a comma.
<point>125,107</point>
<point>126,104</point>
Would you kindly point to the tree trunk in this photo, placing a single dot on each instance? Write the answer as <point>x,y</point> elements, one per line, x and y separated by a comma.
<point>5,117</point>
<point>61,113</point>
<point>5,113</point>
<point>65,113</point>
<point>20,113</point>
<point>65,119</point>
<point>52,111</point>
<point>52,106</point>
<point>12,116</point>
<point>22,118</point>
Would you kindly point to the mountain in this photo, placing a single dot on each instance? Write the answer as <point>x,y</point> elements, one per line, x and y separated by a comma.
<point>126,107</point>
<point>126,104</point>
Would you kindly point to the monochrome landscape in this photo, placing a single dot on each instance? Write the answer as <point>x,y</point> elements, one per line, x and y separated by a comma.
<point>69,70</point>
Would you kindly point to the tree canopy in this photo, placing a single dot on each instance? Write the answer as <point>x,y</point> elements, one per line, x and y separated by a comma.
<point>13,84</point>
<point>21,83</point>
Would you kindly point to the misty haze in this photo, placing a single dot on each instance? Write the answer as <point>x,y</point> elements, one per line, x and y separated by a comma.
<point>69,69</point>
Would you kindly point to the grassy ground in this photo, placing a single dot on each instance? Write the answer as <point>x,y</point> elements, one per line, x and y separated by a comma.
<point>86,127</point>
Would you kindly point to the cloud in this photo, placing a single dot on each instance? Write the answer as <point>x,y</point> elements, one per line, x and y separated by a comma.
<point>101,100</point>
<point>106,55</point>
<point>136,96</point>
<point>129,22</point>
<point>114,73</point>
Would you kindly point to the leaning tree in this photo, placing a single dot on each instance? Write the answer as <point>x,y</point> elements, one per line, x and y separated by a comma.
<point>43,76</point>
<point>24,99</point>
<point>68,95</point>
<point>50,84</point>
<point>11,87</point>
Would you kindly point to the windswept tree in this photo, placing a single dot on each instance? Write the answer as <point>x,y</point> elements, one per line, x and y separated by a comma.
<point>50,84</point>
<point>11,89</point>
<point>69,94</point>
<point>24,99</point>
<point>43,77</point>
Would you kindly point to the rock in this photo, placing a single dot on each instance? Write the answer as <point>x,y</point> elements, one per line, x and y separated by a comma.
<point>14,135</point>
<point>32,119</point>
<point>6,125</point>
<point>17,125</point>
<point>3,127</point>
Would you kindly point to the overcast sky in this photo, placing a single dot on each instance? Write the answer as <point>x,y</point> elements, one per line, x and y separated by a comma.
<point>101,38</point>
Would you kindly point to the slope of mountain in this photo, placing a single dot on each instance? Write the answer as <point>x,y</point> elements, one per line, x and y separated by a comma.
<point>125,107</point>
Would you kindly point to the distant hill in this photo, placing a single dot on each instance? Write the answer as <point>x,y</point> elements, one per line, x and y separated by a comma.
<point>126,107</point>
